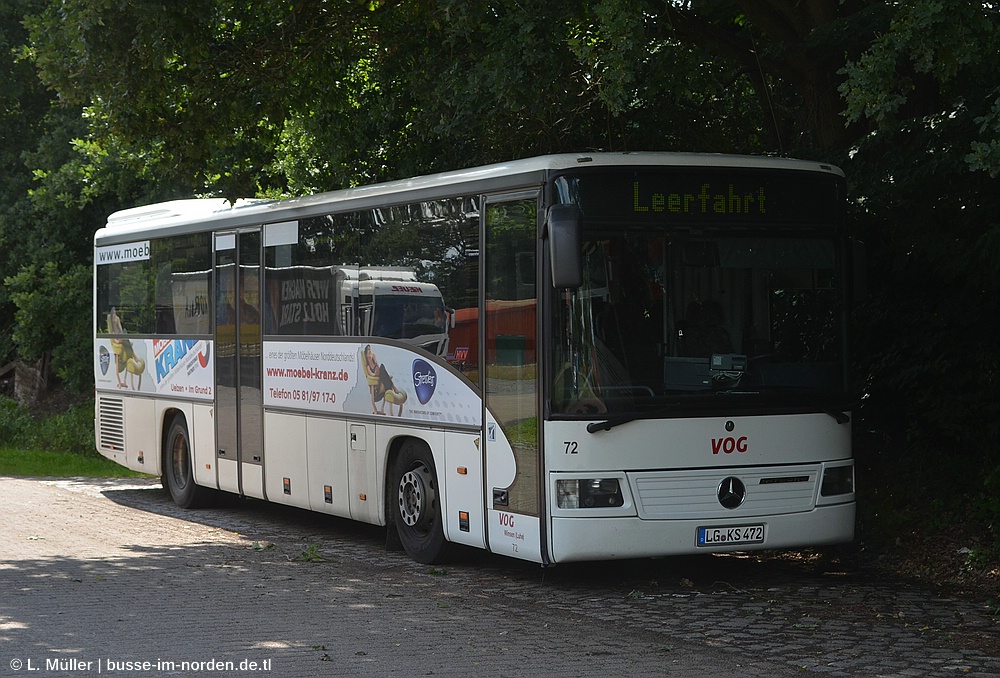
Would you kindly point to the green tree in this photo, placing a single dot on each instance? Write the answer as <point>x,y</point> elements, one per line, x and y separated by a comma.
<point>23,104</point>
<point>266,97</point>
<point>56,189</point>
<point>924,174</point>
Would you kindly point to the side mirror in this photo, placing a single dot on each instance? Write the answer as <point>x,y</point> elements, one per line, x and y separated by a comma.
<point>565,252</point>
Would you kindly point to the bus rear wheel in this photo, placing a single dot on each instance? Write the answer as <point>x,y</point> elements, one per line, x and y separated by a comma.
<point>417,511</point>
<point>178,470</point>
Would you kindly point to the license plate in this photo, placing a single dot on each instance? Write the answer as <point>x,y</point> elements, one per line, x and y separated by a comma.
<point>732,535</point>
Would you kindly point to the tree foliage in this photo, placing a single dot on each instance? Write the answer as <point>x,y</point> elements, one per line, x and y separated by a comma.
<point>109,103</point>
<point>23,103</point>
<point>241,98</point>
<point>925,182</point>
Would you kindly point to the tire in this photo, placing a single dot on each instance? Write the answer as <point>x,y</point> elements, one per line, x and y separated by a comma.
<point>416,507</point>
<point>178,469</point>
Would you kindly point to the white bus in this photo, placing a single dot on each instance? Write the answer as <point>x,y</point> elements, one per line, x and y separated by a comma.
<point>646,355</point>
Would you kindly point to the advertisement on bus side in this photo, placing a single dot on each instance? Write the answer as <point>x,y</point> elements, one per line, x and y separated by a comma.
<point>168,367</point>
<point>366,378</point>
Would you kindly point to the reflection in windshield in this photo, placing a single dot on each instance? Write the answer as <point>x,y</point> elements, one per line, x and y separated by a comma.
<point>399,317</point>
<point>665,321</point>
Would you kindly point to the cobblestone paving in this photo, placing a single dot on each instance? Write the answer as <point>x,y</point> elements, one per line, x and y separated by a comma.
<point>110,571</point>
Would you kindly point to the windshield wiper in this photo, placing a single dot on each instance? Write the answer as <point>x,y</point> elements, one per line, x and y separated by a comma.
<point>837,413</point>
<point>608,424</point>
<point>612,422</point>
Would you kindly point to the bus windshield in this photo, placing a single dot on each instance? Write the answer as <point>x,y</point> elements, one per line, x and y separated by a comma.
<point>675,315</point>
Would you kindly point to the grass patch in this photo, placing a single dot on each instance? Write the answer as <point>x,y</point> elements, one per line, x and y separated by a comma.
<point>57,445</point>
<point>49,463</point>
<point>69,430</point>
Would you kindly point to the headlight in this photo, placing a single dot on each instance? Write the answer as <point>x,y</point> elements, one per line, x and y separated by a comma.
<point>588,493</point>
<point>837,480</point>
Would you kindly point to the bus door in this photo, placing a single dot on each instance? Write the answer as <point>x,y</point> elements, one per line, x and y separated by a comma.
<point>510,382</point>
<point>239,404</point>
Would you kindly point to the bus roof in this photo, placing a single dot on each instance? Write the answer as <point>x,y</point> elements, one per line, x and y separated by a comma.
<point>183,216</point>
<point>395,273</point>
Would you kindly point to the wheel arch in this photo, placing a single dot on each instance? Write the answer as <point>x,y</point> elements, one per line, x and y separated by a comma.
<point>167,418</point>
<point>398,449</point>
<point>393,448</point>
<point>178,475</point>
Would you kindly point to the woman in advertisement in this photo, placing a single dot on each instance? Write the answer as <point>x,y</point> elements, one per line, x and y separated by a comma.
<point>381,385</point>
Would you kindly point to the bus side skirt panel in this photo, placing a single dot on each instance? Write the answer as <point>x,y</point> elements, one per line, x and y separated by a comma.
<point>202,429</point>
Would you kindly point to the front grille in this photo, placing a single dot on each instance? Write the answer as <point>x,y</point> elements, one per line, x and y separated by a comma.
<point>695,494</point>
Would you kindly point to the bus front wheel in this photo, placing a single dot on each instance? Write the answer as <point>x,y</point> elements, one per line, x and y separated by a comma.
<point>178,470</point>
<point>417,511</point>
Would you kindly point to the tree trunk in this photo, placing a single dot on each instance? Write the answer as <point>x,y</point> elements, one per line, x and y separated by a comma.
<point>31,381</point>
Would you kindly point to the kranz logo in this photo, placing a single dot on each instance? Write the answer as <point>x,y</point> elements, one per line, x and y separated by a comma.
<point>105,358</point>
<point>170,352</point>
<point>203,355</point>
<point>424,380</point>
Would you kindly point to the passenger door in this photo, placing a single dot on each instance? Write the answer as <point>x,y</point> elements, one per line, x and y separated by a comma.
<point>510,374</point>
<point>239,410</point>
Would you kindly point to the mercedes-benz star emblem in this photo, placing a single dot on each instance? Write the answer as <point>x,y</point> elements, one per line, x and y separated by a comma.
<point>732,492</point>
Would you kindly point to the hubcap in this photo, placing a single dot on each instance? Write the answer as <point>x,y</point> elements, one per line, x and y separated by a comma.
<point>180,462</point>
<point>414,496</point>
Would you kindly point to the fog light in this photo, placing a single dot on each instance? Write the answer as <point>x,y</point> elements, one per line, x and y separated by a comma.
<point>837,480</point>
<point>588,493</point>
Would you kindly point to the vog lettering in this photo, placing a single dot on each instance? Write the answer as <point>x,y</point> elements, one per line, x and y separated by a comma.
<point>424,380</point>
<point>507,525</point>
<point>730,445</point>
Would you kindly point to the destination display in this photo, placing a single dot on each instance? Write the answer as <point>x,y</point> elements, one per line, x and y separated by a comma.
<point>709,196</point>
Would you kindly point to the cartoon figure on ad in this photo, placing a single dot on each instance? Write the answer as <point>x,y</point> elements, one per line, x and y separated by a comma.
<point>127,361</point>
<point>381,385</point>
